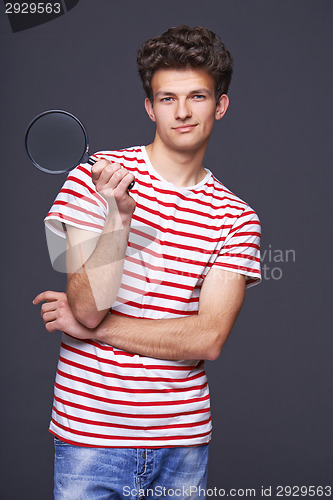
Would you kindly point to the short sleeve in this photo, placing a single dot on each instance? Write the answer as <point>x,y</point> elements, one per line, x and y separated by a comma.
<point>240,252</point>
<point>77,204</point>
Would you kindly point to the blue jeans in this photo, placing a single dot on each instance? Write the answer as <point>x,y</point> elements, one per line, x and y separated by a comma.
<point>82,473</point>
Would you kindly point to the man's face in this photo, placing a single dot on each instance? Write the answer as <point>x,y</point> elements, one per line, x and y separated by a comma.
<point>184,108</point>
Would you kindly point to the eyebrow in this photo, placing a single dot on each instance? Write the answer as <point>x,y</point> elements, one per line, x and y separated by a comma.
<point>192,92</point>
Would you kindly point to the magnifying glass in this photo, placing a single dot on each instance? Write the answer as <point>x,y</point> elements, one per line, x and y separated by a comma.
<point>56,142</point>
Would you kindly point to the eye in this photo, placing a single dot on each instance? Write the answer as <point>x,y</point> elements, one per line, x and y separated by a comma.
<point>199,97</point>
<point>166,99</point>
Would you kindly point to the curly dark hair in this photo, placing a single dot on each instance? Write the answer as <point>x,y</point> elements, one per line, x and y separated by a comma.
<point>183,47</point>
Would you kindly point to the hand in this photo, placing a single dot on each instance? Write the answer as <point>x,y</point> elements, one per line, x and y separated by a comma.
<point>57,315</point>
<point>111,181</point>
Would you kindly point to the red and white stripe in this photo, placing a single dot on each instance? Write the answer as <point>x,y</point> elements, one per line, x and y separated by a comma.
<point>108,397</point>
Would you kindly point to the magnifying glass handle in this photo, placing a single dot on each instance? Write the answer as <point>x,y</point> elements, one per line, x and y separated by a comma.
<point>91,161</point>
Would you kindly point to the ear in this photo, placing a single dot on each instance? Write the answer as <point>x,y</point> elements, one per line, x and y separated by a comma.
<point>221,106</point>
<point>150,110</point>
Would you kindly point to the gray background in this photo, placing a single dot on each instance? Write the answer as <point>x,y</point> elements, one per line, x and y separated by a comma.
<point>272,386</point>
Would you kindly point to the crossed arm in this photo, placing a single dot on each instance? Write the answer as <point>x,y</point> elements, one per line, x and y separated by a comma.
<point>201,336</point>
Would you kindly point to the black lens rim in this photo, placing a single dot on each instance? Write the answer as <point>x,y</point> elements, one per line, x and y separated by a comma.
<point>33,161</point>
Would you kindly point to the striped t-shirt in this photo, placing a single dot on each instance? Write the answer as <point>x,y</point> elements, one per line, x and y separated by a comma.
<point>105,396</point>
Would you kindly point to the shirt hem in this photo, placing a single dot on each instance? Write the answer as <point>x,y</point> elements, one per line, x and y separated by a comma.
<point>141,446</point>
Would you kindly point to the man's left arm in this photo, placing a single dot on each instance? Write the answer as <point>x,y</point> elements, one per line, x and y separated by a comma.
<point>200,336</point>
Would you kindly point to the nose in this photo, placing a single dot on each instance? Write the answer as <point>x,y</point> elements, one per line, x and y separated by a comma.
<point>183,110</point>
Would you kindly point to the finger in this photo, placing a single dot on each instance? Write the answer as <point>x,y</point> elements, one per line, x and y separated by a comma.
<point>51,326</point>
<point>103,170</point>
<point>49,316</point>
<point>98,167</point>
<point>48,295</point>
<point>109,176</point>
<point>124,183</point>
<point>115,179</point>
<point>48,306</point>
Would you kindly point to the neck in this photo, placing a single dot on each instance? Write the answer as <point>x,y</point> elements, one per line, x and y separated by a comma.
<point>181,168</point>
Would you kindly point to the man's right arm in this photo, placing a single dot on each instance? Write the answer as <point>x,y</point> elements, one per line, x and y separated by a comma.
<point>95,262</point>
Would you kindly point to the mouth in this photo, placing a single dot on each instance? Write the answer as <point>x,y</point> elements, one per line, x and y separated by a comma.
<point>184,128</point>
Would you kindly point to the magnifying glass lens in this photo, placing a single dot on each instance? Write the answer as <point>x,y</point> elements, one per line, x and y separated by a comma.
<point>56,141</point>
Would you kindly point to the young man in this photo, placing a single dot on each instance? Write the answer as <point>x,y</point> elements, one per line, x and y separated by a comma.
<point>156,279</point>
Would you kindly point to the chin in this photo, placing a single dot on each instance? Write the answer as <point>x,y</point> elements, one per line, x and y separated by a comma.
<point>188,146</point>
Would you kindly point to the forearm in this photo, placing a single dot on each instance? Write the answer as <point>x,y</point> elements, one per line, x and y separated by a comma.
<point>201,336</point>
<point>93,288</point>
<point>191,337</point>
